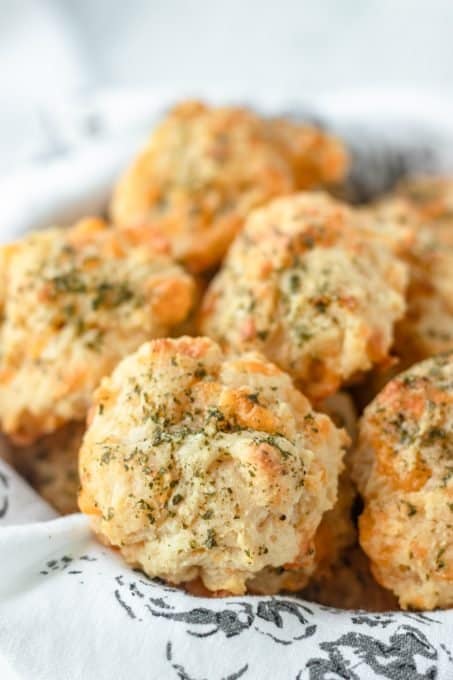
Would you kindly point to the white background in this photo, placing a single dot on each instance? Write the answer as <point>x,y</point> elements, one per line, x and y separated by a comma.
<point>54,50</point>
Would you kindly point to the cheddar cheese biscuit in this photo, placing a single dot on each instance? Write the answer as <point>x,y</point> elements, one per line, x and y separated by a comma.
<point>74,301</point>
<point>205,168</point>
<point>403,469</point>
<point>202,465</point>
<point>309,284</point>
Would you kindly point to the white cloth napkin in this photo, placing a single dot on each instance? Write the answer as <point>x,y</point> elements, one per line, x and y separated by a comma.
<point>70,609</point>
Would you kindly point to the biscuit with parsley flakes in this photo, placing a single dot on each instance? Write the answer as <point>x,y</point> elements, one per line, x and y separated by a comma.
<point>403,467</point>
<point>335,533</point>
<point>313,287</point>
<point>394,220</point>
<point>432,198</point>
<point>200,465</point>
<point>424,205</point>
<point>316,157</point>
<point>74,302</point>
<point>205,168</point>
<point>427,327</point>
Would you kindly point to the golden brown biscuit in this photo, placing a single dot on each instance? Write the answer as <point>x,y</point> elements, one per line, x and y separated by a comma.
<point>403,469</point>
<point>398,222</point>
<point>427,328</point>
<point>432,198</point>
<point>394,220</point>
<point>201,465</point>
<point>335,533</point>
<point>313,288</point>
<point>205,168</point>
<point>426,205</point>
<point>74,302</point>
<point>316,158</point>
<point>51,466</point>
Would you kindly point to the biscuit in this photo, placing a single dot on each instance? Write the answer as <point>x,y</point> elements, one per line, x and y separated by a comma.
<point>426,205</point>
<point>313,287</point>
<point>204,466</point>
<point>74,302</point>
<point>204,169</point>
<point>403,469</point>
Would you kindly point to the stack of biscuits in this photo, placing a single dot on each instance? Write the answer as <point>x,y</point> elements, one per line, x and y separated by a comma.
<point>245,383</point>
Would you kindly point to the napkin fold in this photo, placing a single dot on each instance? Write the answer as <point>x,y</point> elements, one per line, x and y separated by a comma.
<point>71,608</point>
